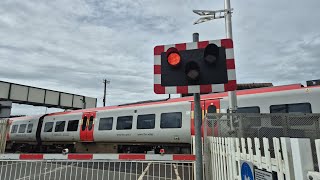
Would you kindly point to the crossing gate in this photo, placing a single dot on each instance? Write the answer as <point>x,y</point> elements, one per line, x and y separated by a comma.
<point>96,166</point>
<point>3,132</point>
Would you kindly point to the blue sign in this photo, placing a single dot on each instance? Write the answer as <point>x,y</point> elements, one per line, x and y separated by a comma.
<point>246,171</point>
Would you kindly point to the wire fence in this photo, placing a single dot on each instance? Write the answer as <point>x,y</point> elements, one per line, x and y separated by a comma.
<point>264,125</point>
<point>3,132</point>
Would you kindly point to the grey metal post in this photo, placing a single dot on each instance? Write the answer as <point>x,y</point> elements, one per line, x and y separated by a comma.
<point>105,91</point>
<point>197,125</point>
<point>232,94</point>
<point>228,22</point>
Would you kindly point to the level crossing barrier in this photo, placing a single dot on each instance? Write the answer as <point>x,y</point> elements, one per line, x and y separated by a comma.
<point>96,166</point>
<point>3,132</point>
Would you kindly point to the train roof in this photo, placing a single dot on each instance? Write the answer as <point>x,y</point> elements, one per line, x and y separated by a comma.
<point>24,117</point>
<point>190,98</point>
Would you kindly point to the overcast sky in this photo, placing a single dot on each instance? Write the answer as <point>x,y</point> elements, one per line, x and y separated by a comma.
<point>73,45</point>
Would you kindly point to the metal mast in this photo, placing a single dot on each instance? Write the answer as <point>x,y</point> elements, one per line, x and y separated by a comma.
<point>226,14</point>
<point>105,81</point>
<point>228,23</point>
<point>197,125</point>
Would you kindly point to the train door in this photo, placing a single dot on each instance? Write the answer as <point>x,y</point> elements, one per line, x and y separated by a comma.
<point>207,106</point>
<point>212,106</point>
<point>87,126</point>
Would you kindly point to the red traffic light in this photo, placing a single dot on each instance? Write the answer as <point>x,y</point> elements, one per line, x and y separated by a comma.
<point>185,66</point>
<point>173,57</point>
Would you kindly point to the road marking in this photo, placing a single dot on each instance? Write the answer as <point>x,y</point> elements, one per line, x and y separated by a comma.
<point>8,164</point>
<point>144,172</point>
<point>45,173</point>
<point>176,171</point>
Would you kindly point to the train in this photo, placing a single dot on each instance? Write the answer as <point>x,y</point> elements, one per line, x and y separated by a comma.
<point>147,126</point>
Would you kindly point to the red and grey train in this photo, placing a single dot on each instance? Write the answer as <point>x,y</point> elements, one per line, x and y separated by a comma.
<point>141,127</point>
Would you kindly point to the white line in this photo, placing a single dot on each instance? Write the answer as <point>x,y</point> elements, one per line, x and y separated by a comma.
<point>176,171</point>
<point>45,173</point>
<point>8,164</point>
<point>144,172</point>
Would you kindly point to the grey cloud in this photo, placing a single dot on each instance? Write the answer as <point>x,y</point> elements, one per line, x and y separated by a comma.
<point>72,45</point>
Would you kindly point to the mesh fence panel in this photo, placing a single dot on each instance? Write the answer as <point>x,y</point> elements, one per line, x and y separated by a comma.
<point>250,125</point>
<point>263,125</point>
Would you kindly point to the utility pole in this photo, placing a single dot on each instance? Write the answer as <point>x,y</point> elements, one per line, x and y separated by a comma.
<point>105,81</point>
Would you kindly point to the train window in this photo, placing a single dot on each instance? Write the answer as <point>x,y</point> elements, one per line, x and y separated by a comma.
<point>48,127</point>
<point>105,123</point>
<point>29,129</point>
<point>14,129</point>
<point>146,121</point>
<point>171,120</point>
<point>250,120</point>
<point>22,128</point>
<point>212,109</point>
<point>90,123</point>
<point>252,109</point>
<point>84,123</point>
<point>124,122</point>
<point>59,126</point>
<point>291,108</point>
<point>73,125</point>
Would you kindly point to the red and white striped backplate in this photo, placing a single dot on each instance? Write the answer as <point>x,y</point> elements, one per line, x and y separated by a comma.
<point>230,86</point>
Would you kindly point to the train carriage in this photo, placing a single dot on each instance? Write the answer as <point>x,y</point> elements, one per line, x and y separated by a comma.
<point>141,127</point>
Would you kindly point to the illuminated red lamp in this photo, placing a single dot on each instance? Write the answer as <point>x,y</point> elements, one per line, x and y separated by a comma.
<point>173,56</point>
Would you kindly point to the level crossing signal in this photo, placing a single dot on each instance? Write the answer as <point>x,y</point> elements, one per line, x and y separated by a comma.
<point>196,67</point>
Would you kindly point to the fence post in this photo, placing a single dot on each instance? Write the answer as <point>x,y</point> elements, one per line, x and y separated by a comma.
<point>287,157</point>
<point>302,157</point>
<point>277,152</point>
<point>317,142</point>
<point>241,128</point>
<point>206,148</point>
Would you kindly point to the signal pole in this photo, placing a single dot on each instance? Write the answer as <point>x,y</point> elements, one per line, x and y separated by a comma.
<point>228,22</point>
<point>232,94</point>
<point>197,125</point>
<point>105,81</point>
<point>226,14</point>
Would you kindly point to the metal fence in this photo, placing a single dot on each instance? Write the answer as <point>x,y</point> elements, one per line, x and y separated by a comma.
<point>100,167</point>
<point>264,125</point>
<point>3,132</point>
